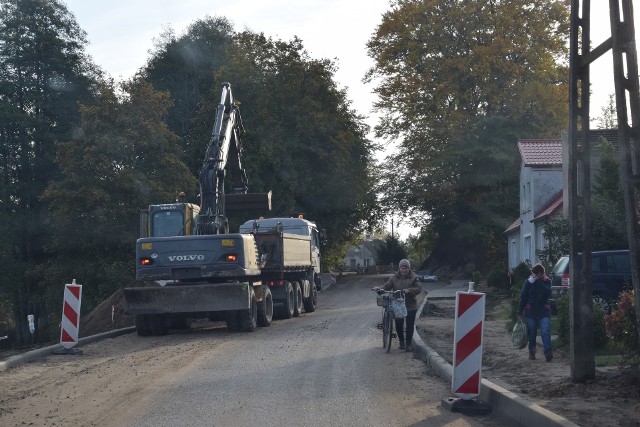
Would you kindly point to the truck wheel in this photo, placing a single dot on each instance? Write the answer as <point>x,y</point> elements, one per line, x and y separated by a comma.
<point>297,296</point>
<point>249,317</point>
<point>311,302</point>
<point>265,307</point>
<point>288,304</point>
<point>158,324</point>
<point>181,323</point>
<point>142,325</point>
<point>233,321</point>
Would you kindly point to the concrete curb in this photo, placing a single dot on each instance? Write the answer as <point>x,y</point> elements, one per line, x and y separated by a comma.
<point>508,406</point>
<point>45,351</point>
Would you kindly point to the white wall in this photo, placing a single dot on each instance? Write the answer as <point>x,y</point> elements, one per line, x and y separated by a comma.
<point>537,186</point>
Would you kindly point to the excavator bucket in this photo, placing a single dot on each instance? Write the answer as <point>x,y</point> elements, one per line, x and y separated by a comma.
<point>187,298</point>
<point>248,201</point>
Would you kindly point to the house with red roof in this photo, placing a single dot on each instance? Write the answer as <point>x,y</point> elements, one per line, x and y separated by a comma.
<point>541,189</point>
<point>544,191</point>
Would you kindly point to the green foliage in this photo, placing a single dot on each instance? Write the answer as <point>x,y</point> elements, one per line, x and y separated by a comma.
<point>499,277</point>
<point>609,118</point>
<point>122,158</point>
<point>419,247</point>
<point>457,129</point>
<point>608,224</point>
<point>519,274</point>
<point>7,323</point>
<point>622,324</point>
<point>556,234</point>
<point>391,251</point>
<point>564,321</point>
<point>476,277</point>
<point>600,339</point>
<point>44,73</point>
<point>185,66</point>
<point>316,161</point>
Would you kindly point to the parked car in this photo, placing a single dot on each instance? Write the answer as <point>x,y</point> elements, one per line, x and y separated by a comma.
<point>426,276</point>
<point>610,275</point>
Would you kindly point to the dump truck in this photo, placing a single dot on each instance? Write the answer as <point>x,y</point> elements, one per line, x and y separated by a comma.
<point>188,265</point>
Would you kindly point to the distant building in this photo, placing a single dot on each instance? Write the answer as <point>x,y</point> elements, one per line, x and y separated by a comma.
<point>541,183</point>
<point>544,190</point>
<point>364,255</point>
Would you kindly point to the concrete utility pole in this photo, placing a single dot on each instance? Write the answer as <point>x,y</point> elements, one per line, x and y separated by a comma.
<point>621,43</point>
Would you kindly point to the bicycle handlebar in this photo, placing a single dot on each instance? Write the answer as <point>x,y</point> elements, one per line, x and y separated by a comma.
<point>392,293</point>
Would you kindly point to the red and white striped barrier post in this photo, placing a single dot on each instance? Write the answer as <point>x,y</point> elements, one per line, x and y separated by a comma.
<point>70,324</point>
<point>467,351</point>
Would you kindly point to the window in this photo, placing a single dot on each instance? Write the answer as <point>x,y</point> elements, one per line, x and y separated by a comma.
<point>167,223</point>
<point>618,263</point>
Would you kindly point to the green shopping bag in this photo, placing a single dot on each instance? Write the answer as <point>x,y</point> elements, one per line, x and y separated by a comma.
<point>519,336</point>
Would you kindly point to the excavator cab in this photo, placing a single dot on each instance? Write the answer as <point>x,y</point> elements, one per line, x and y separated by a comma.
<point>174,219</point>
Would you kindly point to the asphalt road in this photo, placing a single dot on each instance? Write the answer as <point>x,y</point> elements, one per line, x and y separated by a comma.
<point>323,368</point>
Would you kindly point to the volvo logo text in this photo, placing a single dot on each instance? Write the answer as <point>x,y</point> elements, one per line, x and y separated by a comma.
<point>173,258</point>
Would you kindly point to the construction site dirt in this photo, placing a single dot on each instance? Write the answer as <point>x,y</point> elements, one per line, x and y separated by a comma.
<point>613,399</point>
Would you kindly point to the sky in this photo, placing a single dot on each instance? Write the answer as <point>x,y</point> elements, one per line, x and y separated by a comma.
<point>121,33</point>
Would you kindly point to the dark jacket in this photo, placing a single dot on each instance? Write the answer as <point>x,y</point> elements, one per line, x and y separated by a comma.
<point>410,281</point>
<point>534,298</point>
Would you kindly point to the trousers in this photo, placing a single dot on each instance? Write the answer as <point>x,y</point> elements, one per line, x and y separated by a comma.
<point>544,324</point>
<point>411,322</point>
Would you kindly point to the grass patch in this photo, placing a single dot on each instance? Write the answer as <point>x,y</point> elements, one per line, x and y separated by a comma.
<point>609,360</point>
<point>504,310</point>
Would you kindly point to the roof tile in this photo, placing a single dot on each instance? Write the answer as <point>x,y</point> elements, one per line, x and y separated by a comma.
<point>540,152</point>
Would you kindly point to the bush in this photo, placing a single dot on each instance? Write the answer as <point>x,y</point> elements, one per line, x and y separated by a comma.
<point>621,324</point>
<point>519,275</point>
<point>564,322</point>
<point>475,276</point>
<point>600,338</point>
<point>499,278</point>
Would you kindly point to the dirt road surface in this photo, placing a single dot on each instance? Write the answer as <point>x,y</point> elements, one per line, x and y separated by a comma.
<point>612,400</point>
<point>324,368</point>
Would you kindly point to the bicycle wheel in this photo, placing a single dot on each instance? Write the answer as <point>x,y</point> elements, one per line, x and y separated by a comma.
<point>388,331</point>
<point>386,334</point>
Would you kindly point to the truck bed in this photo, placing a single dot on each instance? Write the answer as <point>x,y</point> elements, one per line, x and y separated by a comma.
<point>283,252</point>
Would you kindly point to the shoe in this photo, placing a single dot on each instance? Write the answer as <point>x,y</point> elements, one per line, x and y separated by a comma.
<point>548,357</point>
<point>532,356</point>
<point>402,345</point>
<point>409,348</point>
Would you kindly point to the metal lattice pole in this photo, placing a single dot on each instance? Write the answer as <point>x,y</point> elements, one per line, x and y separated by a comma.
<point>581,309</point>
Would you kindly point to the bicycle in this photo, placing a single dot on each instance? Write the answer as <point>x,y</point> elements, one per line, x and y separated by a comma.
<point>386,300</point>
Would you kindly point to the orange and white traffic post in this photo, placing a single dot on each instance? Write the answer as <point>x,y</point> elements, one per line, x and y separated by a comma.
<point>467,351</point>
<point>70,325</point>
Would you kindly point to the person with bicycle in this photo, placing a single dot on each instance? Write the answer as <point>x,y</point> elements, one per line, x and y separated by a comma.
<point>407,281</point>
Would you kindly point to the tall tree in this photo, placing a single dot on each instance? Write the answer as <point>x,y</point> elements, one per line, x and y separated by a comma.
<point>466,79</point>
<point>43,74</point>
<point>122,158</point>
<point>185,67</point>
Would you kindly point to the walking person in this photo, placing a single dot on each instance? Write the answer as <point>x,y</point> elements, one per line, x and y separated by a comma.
<point>534,305</point>
<point>405,280</point>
